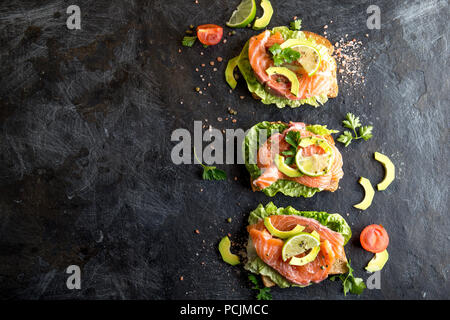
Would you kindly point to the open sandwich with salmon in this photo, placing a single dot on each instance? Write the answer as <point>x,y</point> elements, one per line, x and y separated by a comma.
<point>288,247</point>
<point>289,68</point>
<point>293,158</point>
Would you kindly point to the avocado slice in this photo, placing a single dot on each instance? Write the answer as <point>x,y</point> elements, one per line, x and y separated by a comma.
<point>262,22</point>
<point>229,72</point>
<point>281,234</point>
<point>227,256</point>
<point>292,77</point>
<point>378,261</point>
<point>283,167</point>
<point>389,167</point>
<point>311,256</point>
<point>369,193</point>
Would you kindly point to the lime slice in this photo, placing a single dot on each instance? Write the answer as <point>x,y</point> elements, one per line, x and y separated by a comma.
<point>243,15</point>
<point>378,261</point>
<point>309,58</point>
<point>306,259</point>
<point>281,234</point>
<point>309,55</point>
<point>317,164</point>
<point>284,168</point>
<point>267,15</point>
<point>229,72</point>
<point>298,244</point>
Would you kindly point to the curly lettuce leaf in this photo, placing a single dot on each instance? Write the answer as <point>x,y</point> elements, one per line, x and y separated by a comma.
<point>255,265</point>
<point>320,130</point>
<point>257,88</point>
<point>250,148</point>
<point>290,188</point>
<point>251,144</point>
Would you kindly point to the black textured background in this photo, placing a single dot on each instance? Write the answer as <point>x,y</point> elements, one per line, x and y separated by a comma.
<point>85,171</point>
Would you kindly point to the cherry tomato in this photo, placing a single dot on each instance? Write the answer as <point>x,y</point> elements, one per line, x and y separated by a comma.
<point>209,34</point>
<point>374,238</point>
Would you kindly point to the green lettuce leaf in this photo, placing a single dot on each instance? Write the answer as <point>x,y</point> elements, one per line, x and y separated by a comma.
<point>290,189</point>
<point>250,147</point>
<point>257,88</point>
<point>255,265</point>
<point>320,130</point>
<point>251,144</point>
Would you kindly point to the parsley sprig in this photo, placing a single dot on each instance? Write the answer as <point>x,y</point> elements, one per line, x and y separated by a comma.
<point>296,25</point>
<point>188,41</point>
<point>293,138</point>
<point>263,293</point>
<point>285,55</point>
<point>352,122</point>
<point>210,172</point>
<point>349,282</point>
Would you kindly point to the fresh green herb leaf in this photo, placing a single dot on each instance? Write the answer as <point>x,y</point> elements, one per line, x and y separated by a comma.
<point>352,122</point>
<point>365,132</point>
<point>289,160</point>
<point>345,138</point>
<point>210,172</point>
<point>349,282</point>
<point>188,41</point>
<point>285,55</point>
<point>275,49</point>
<point>253,279</point>
<point>293,138</point>
<point>263,293</point>
<point>290,152</point>
<point>296,25</point>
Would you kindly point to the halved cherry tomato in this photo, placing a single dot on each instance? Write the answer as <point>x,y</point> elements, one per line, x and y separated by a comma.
<point>374,238</point>
<point>209,34</point>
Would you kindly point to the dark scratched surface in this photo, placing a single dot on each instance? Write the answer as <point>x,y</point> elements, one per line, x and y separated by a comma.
<point>86,176</point>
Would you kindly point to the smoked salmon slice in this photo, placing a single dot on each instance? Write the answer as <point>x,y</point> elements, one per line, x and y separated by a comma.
<point>276,144</point>
<point>269,248</point>
<point>321,83</point>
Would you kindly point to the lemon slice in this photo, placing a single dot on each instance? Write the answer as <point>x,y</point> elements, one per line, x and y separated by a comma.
<point>243,15</point>
<point>281,234</point>
<point>298,244</point>
<point>267,15</point>
<point>316,164</point>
